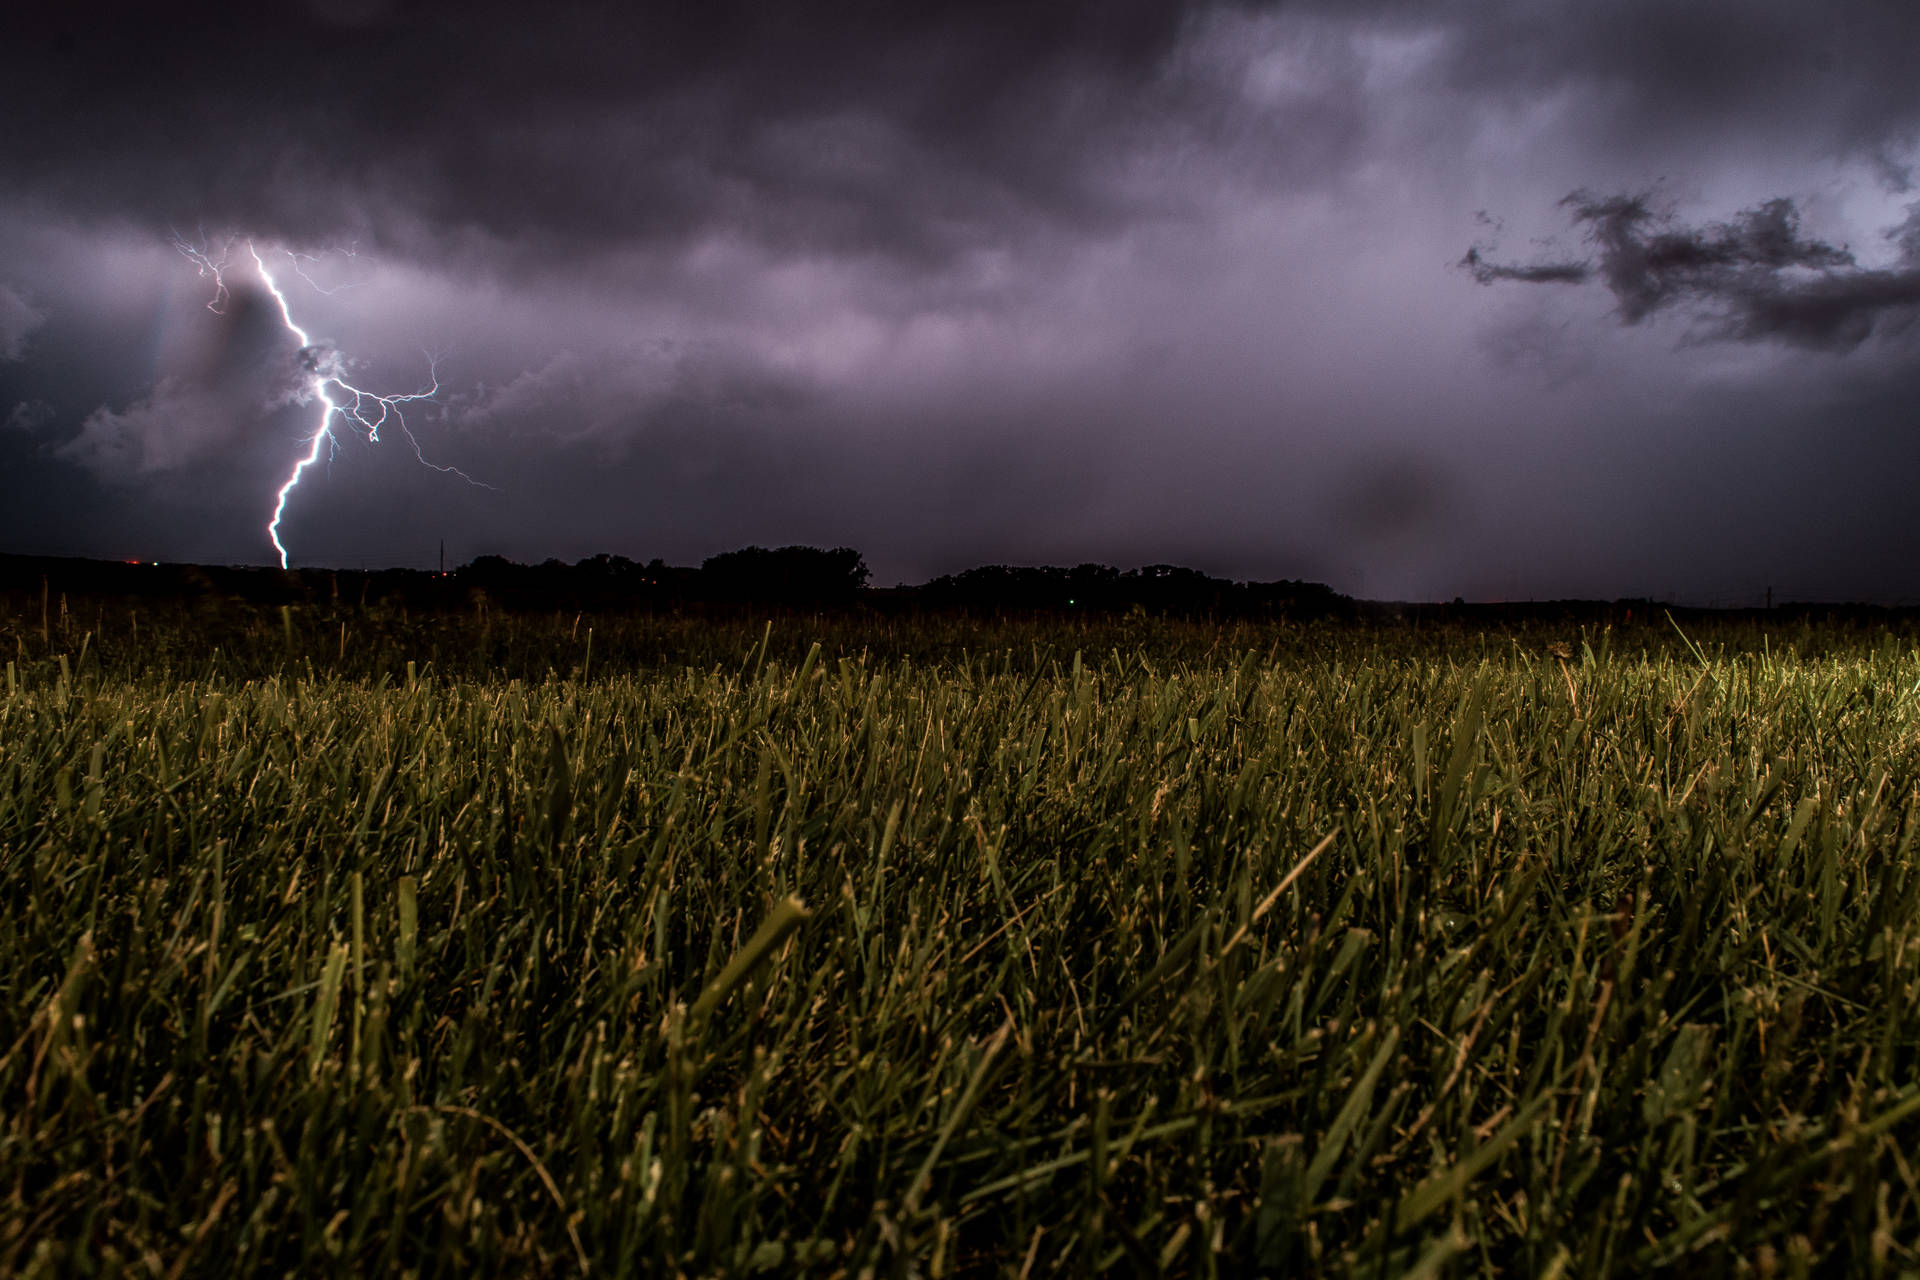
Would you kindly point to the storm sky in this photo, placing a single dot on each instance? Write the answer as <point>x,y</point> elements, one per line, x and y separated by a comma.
<point>1503,300</point>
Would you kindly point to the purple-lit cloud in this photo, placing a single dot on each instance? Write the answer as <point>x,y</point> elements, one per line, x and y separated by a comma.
<point>1756,276</point>
<point>954,283</point>
<point>18,319</point>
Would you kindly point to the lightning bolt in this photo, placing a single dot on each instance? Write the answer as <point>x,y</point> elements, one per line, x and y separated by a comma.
<point>340,400</point>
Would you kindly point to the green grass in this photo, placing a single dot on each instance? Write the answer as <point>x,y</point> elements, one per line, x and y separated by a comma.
<point>454,947</point>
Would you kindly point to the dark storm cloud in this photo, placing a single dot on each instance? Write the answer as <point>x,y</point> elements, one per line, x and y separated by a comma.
<point>1487,272</point>
<point>1642,72</point>
<point>1648,267</point>
<point>910,132</point>
<point>1649,84</point>
<point>850,124</point>
<point>1757,276</point>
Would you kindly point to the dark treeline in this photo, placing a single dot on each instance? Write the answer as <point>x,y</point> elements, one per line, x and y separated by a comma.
<point>1157,588</point>
<point>807,577</point>
<point>754,577</point>
<point>810,579</point>
<point>62,618</point>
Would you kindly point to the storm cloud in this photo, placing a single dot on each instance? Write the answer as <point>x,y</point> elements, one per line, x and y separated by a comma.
<point>18,319</point>
<point>443,128</point>
<point>1757,276</point>
<point>962,282</point>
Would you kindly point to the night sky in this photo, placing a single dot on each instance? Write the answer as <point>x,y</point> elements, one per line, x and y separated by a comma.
<point>1502,300</point>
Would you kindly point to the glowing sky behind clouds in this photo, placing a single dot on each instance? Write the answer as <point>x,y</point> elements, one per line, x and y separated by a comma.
<point>962,283</point>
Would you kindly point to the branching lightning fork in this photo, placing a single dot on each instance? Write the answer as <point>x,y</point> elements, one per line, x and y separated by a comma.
<point>326,381</point>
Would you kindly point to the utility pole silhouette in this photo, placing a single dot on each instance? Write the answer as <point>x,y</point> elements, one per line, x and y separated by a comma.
<point>443,557</point>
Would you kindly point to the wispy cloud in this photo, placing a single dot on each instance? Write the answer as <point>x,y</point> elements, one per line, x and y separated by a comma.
<point>1754,278</point>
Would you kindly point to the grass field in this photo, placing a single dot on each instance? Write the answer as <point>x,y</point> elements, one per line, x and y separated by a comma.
<point>354,942</point>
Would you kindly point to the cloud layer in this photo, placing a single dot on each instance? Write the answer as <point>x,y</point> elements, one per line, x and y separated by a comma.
<point>18,319</point>
<point>1756,276</point>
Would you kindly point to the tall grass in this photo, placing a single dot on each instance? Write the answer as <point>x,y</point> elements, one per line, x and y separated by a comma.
<point>989,951</point>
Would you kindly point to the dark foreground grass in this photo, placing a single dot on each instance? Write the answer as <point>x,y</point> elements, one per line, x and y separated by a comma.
<point>1315,950</point>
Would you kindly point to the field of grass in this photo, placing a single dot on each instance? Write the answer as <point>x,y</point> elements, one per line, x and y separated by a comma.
<point>367,944</point>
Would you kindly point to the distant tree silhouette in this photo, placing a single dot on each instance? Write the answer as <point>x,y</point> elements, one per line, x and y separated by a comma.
<point>791,576</point>
<point>1156,588</point>
<point>784,575</point>
<point>1289,598</point>
<point>999,586</point>
<point>597,582</point>
<point>1171,588</point>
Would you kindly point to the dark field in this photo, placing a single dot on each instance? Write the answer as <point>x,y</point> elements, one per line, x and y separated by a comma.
<point>344,939</point>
